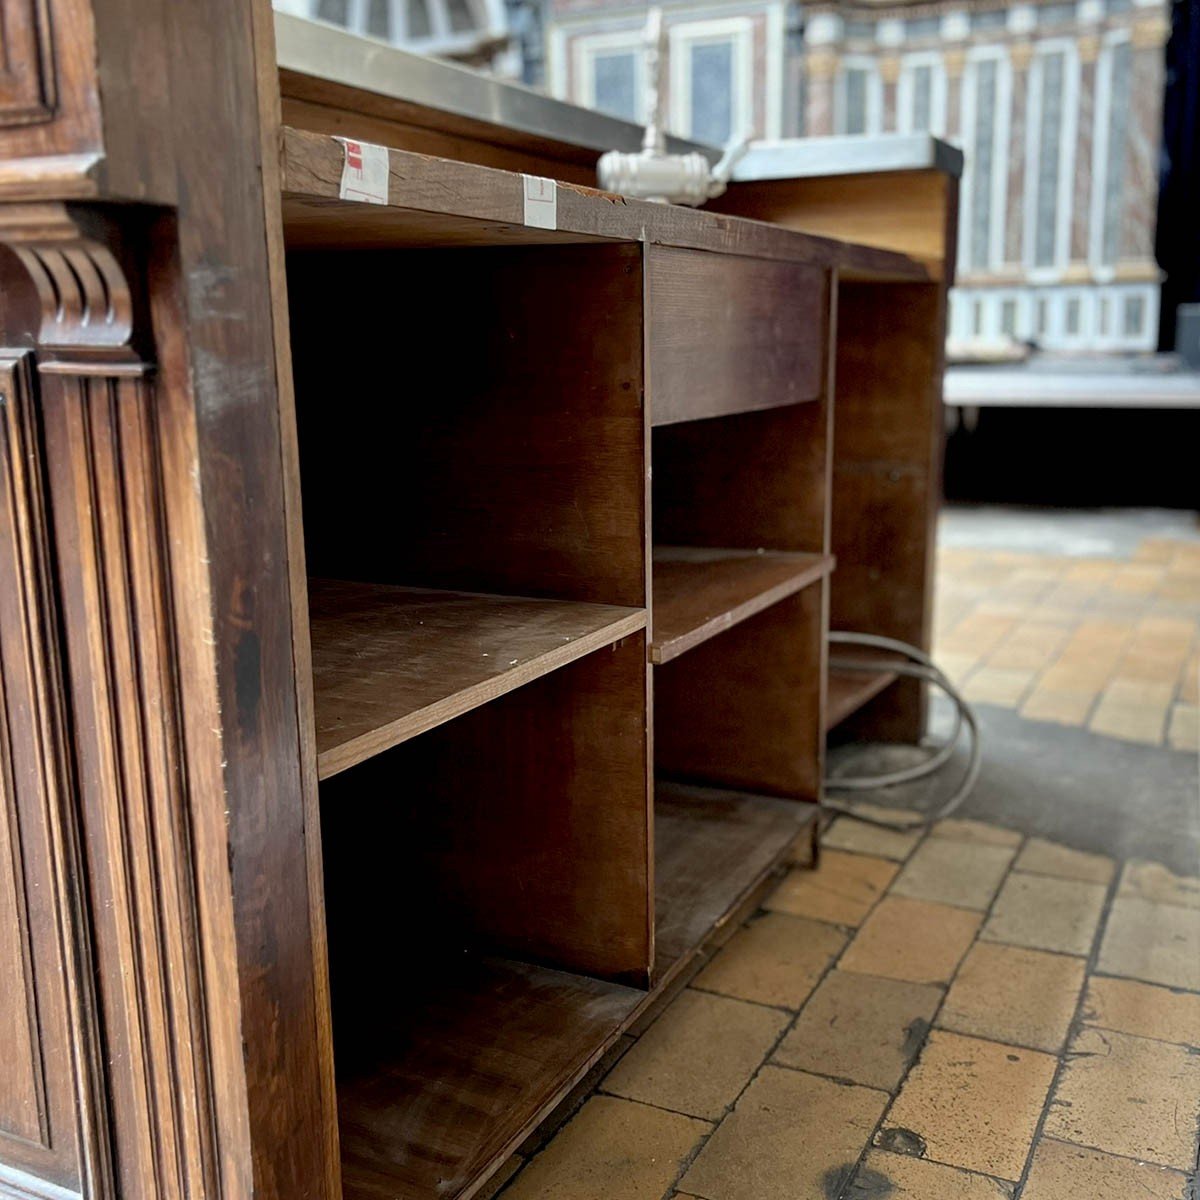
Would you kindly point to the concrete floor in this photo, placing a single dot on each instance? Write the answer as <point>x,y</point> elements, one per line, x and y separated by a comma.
<point>1005,1006</point>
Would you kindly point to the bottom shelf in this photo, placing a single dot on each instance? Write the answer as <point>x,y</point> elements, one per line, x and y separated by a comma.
<point>849,690</point>
<point>479,1053</point>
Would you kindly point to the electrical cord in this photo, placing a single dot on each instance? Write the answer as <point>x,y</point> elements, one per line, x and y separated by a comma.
<point>919,666</point>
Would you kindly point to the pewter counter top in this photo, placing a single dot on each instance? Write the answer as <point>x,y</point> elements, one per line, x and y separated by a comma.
<point>798,158</point>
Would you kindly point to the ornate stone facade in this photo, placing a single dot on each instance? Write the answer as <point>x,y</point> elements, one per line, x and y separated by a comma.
<point>1057,105</point>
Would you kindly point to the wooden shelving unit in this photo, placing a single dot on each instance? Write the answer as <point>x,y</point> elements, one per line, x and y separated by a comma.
<point>390,663</point>
<point>700,592</point>
<point>369,757</point>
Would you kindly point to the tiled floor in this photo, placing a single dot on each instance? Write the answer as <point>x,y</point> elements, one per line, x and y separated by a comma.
<point>1110,644</point>
<point>965,1015</point>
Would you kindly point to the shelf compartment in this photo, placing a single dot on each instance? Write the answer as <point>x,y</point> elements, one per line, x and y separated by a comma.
<point>481,1053</point>
<point>443,1075</point>
<point>700,592</point>
<point>392,662</point>
<point>850,690</point>
<point>714,849</point>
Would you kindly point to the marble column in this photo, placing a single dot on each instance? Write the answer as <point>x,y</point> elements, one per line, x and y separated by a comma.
<point>820,68</point>
<point>1081,206</point>
<point>889,74</point>
<point>1020,56</point>
<point>955,60</point>
<point>1139,212</point>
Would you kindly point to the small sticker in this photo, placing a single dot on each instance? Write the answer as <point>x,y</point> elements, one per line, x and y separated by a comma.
<point>364,173</point>
<point>541,202</point>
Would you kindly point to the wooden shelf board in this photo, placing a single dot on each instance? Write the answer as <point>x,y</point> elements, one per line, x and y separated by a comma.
<point>482,1052</point>
<point>393,662</point>
<point>849,690</point>
<point>713,850</point>
<point>700,592</point>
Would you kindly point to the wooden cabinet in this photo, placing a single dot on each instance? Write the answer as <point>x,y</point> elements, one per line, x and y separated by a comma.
<point>412,639</point>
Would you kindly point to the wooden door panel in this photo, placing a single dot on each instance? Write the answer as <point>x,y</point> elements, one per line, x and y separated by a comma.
<point>41,1108</point>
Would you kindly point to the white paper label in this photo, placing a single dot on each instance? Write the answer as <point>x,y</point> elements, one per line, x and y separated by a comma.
<point>364,173</point>
<point>541,202</point>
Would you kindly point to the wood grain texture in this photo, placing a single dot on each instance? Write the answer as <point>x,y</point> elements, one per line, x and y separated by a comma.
<point>467,193</point>
<point>888,433</point>
<point>390,663</point>
<point>510,455</point>
<point>743,710</point>
<point>754,479</point>
<point>470,1057</point>
<point>700,592</point>
<point>712,849</point>
<point>727,334</point>
<point>50,1127</point>
<point>525,821</point>
<point>904,211</point>
<point>319,106</point>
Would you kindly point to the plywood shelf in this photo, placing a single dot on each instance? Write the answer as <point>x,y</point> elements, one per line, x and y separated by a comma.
<point>393,662</point>
<point>481,1052</point>
<point>441,1081</point>
<point>850,690</point>
<point>713,850</point>
<point>700,592</point>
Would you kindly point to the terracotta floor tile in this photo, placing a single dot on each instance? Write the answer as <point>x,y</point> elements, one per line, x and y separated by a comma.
<point>1156,943</point>
<point>947,871</point>
<point>612,1150</point>
<point>842,890</point>
<point>1062,706</point>
<point>1010,994</point>
<point>912,940</point>
<point>1040,857</point>
<point>963,830</point>
<point>1142,723</point>
<point>1143,1009</point>
<point>1152,881</point>
<point>698,1055</point>
<point>1183,728</point>
<point>957,664</point>
<point>1004,686</point>
<point>901,1177</point>
<point>860,1028</point>
<point>1064,1172</point>
<point>1189,681</point>
<point>974,1104</point>
<point>1129,1095</point>
<point>776,959</point>
<point>791,1135</point>
<point>858,837</point>
<point>1043,913</point>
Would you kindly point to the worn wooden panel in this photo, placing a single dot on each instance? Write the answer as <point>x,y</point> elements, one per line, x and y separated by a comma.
<point>447,1072</point>
<point>751,480</point>
<point>728,335</point>
<point>743,709</point>
<point>906,211</point>
<point>701,592</point>
<point>509,454</point>
<point>390,663</point>
<point>524,823</point>
<point>48,1118</point>
<point>887,478</point>
<point>712,850</point>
